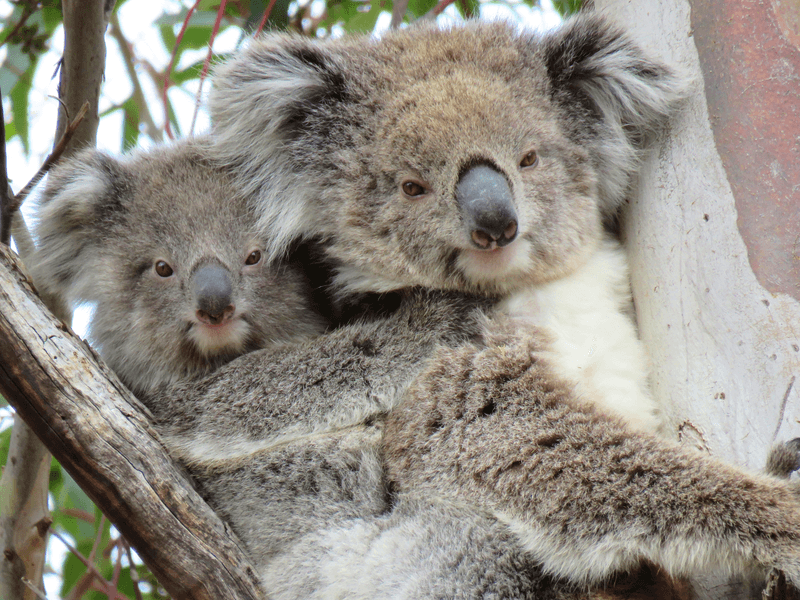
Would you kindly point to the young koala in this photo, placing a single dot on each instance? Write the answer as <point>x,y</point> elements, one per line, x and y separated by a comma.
<point>160,243</point>
<point>479,159</point>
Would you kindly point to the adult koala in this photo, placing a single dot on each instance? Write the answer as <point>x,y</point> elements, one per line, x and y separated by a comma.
<point>476,160</point>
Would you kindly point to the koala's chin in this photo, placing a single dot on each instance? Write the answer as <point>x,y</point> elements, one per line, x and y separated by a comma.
<point>228,337</point>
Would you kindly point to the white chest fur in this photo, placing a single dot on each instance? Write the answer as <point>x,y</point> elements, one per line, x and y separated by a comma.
<point>594,343</point>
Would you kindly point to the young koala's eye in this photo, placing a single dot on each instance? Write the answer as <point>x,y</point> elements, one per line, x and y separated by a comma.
<point>531,159</point>
<point>253,258</point>
<point>412,189</point>
<point>163,269</point>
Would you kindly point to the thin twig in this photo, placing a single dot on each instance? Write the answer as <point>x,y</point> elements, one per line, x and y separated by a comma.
<point>97,539</point>
<point>398,13</point>
<point>17,200</point>
<point>5,200</point>
<point>204,72</point>
<point>25,16</point>
<point>267,13</point>
<point>132,569</point>
<point>117,568</point>
<point>171,64</point>
<point>29,584</point>
<point>76,513</point>
<point>81,586</point>
<point>438,9</point>
<point>115,30</point>
<point>466,8</point>
<point>109,591</point>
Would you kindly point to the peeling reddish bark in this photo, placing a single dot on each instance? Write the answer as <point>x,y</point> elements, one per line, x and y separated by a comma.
<point>750,57</point>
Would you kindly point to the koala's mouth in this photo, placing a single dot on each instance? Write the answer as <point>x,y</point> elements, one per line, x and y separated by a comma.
<point>497,265</point>
<point>228,336</point>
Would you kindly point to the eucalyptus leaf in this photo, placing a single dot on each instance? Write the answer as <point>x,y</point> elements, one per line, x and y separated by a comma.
<point>567,7</point>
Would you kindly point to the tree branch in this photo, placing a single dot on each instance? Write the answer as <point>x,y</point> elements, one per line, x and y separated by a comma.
<point>26,14</point>
<point>99,432</point>
<point>438,9</point>
<point>82,69</point>
<point>24,517</point>
<point>399,9</point>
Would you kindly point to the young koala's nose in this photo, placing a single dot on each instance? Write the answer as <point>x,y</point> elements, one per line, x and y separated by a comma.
<point>487,207</point>
<point>213,294</point>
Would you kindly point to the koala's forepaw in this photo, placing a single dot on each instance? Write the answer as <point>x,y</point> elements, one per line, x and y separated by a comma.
<point>784,458</point>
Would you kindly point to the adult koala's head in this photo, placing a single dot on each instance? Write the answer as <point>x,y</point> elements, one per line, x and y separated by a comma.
<point>476,158</point>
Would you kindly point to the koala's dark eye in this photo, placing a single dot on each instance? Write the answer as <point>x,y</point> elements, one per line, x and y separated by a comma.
<point>163,269</point>
<point>531,159</point>
<point>412,189</point>
<point>253,258</point>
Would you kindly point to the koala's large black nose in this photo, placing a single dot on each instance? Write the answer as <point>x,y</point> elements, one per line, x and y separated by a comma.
<point>213,293</point>
<point>487,207</point>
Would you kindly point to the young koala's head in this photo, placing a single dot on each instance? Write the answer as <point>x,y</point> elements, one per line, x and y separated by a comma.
<point>476,158</point>
<point>165,248</point>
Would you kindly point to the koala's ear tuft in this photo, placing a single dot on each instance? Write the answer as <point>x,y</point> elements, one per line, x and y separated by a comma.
<point>618,97</point>
<point>85,196</point>
<point>268,106</point>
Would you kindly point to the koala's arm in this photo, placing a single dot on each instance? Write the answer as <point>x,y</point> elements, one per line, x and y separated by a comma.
<point>338,379</point>
<point>492,426</point>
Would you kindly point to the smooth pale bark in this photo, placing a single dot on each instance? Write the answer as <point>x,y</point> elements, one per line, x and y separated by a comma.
<point>724,348</point>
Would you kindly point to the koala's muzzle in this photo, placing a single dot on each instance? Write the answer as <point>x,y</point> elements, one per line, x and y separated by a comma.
<point>213,294</point>
<point>487,207</point>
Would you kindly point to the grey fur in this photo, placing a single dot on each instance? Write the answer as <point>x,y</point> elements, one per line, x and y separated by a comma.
<point>287,444</point>
<point>784,459</point>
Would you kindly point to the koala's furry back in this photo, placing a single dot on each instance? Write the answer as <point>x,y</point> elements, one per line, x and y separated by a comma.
<point>289,447</point>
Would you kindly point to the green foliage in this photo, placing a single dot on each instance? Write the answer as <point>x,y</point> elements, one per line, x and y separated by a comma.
<point>567,7</point>
<point>25,36</point>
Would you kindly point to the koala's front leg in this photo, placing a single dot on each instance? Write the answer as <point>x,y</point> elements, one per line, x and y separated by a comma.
<point>492,426</point>
<point>345,377</point>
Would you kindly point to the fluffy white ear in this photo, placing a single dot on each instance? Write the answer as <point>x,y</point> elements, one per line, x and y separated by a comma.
<point>263,102</point>
<point>618,97</point>
<point>84,196</point>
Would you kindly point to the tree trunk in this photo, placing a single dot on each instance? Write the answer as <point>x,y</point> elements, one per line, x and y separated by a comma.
<point>712,230</point>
